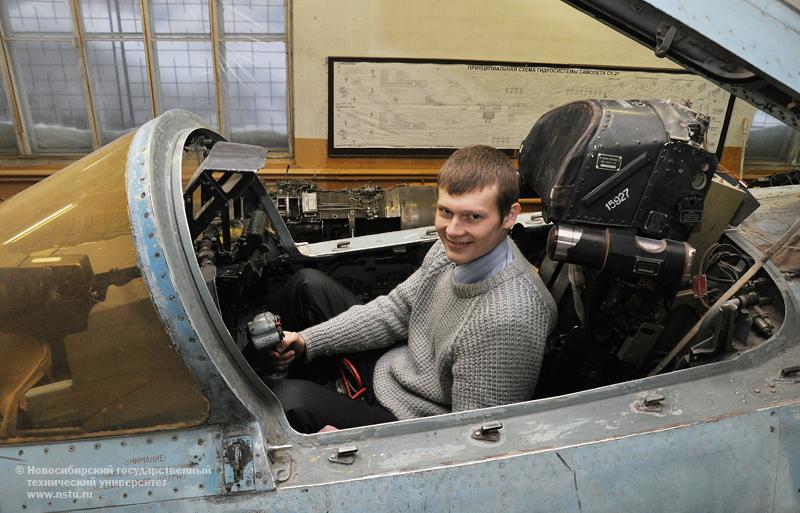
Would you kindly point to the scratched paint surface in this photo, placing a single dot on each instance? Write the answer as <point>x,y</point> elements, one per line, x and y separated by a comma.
<point>110,471</point>
<point>729,465</point>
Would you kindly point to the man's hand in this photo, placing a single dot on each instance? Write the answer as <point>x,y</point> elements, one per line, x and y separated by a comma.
<point>292,346</point>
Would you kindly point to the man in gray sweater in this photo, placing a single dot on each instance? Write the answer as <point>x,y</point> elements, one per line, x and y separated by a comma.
<point>475,315</point>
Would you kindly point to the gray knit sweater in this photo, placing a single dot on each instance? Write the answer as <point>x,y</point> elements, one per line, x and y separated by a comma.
<point>469,345</point>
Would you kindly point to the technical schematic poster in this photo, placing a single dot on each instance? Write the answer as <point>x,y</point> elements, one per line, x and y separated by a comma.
<point>391,107</point>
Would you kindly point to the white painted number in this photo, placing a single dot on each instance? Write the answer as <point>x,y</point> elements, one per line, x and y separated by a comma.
<point>617,200</point>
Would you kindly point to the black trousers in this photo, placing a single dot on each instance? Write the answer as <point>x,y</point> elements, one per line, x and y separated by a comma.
<point>311,297</point>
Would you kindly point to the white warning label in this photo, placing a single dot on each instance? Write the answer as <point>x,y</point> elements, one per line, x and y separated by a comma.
<point>609,162</point>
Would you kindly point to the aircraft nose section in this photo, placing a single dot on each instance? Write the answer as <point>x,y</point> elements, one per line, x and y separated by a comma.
<point>84,344</point>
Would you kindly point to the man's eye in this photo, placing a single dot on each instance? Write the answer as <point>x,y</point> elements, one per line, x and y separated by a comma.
<point>474,217</point>
<point>445,212</point>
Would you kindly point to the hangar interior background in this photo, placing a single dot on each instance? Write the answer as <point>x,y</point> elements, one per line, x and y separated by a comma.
<point>78,73</point>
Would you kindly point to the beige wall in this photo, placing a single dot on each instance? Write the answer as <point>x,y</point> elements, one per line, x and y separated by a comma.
<point>546,31</point>
<point>741,111</point>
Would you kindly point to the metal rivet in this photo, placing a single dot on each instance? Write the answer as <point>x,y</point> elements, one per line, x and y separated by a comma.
<point>123,443</point>
<point>199,441</point>
<point>71,448</point>
<point>96,446</point>
<point>143,194</point>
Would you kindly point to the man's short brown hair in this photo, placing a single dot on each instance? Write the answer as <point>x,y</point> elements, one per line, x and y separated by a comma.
<point>473,168</point>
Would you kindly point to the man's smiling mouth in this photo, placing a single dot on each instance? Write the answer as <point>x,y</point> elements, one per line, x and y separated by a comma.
<point>457,244</point>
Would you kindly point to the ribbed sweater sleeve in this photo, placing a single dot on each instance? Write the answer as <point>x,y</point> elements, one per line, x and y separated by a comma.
<point>376,324</point>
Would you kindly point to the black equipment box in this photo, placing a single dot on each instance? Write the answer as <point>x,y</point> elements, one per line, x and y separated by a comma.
<point>636,164</point>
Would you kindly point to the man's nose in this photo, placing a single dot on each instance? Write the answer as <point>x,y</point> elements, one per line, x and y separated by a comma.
<point>455,227</point>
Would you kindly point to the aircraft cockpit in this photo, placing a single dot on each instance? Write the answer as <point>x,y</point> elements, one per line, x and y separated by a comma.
<point>630,241</point>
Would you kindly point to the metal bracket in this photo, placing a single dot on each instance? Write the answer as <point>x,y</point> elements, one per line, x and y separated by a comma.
<point>651,403</point>
<point>489,432</point>
<point>272,449</point>
<point>282,470</point>
<point>430,233</point>
<point>790,374</point>
<point>344,455</point>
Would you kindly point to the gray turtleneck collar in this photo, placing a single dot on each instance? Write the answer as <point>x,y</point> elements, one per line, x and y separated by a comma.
<point>486,266</point>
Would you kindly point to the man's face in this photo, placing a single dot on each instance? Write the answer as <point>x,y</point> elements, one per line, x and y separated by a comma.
<point>470,225</point>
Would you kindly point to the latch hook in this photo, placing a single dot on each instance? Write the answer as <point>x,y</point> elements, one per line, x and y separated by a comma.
<point>489,432</point>
<point>344,455</point>
<point>663,44</point>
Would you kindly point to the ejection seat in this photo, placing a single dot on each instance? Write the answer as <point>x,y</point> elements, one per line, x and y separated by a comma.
<point>624,184</point>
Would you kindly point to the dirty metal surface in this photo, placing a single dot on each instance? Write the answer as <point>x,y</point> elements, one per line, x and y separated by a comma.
<point>106,472</point>
<point>780,207</point>
<point>411,236</point>
<point>733,464</point>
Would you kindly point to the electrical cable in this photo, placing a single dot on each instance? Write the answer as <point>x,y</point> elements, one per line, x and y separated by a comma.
<point>346,367</point>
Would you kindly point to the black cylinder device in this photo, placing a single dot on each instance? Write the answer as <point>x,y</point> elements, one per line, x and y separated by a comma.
<point>621,251</point>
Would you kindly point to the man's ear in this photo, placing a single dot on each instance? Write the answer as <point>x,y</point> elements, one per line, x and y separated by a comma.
<point>511,217</point>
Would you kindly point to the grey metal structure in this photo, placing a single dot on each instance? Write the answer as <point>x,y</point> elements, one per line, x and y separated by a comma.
<point>746,47</point>
<point>719,437</point>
